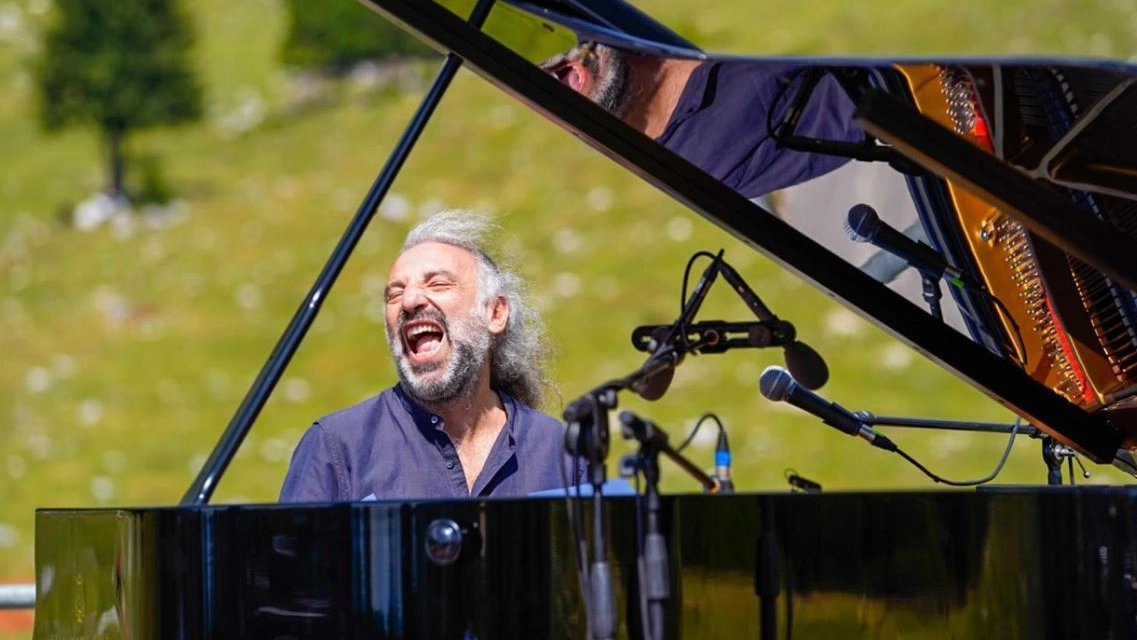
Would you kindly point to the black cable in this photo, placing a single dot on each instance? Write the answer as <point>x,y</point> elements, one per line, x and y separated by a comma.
<point>683,295</point>
<point>695,430</point>
<point>1016,335</point>
<point>967,483</point>
<point>575,515</point>
<point>778,97</point>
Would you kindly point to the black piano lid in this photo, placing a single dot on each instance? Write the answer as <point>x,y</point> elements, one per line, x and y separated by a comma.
<point>1038,209</point>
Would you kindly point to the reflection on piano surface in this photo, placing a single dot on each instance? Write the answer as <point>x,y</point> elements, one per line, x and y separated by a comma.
<point>1032,194</point>
<point>1071,327</point>
<point>1055,564</point>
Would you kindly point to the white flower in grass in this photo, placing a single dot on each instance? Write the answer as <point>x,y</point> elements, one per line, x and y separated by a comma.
<point>599,199</point>
<point>395,207</point>
<point>567,241</point>
<point>102,489</point>
<point>296,390</point>
<point>679,228</point>
<point>566,284</point>
<point>247,296</point>
<point>90,412</point>
<point>8,536</point>
<point>844,323</point>
<point>895,357</point>
<point>38,379</point>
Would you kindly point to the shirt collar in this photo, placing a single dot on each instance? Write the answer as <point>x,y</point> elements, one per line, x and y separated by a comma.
<point>693,97</point>
<point>431,423</point>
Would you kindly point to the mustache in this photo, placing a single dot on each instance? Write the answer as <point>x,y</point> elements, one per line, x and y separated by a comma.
<point>422,313</point>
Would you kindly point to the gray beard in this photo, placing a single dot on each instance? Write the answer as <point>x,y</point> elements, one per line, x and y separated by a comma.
<point>611,91</point>
<point>470,340</point>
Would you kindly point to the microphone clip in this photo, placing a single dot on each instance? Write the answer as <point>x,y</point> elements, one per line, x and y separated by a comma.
<point>717,336</point>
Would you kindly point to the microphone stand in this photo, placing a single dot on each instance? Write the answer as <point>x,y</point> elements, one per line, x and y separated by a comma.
<point>1053,453</point>
<point>950,425</point>
<point>587,435</point>
<point>652,564</point>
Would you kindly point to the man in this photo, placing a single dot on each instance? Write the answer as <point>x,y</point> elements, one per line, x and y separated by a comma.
<point>460,422</point>
<point>720,115</point>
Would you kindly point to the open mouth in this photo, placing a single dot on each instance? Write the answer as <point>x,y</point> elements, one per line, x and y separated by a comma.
<point>423,338</point>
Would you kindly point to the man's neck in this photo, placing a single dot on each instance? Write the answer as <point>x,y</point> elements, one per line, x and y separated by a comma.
<point>659,85</point>
<point>473,422</point>
<point>472,414</point>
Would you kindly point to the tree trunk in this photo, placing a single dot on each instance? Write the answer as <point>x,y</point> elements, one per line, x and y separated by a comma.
<point>115,138</point>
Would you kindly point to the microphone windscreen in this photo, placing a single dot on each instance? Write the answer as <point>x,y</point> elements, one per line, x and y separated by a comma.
<point>862,223</point>
<point>656,384</point>
<point>775,383</point>
<point>806,365</point>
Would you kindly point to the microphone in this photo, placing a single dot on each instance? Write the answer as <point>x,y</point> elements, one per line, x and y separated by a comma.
<point>778,385</point>
<point>722,464</point>
<point>657,372</point>
<point>806,364</point>
<point>864,225</point>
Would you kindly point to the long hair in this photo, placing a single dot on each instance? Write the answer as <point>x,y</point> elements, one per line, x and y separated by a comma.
<point>519,354</point>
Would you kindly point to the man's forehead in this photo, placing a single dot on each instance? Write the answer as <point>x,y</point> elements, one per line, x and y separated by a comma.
<point>431,257</point>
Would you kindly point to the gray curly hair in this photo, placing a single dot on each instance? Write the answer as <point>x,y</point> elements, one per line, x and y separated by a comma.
<point>519,354</point>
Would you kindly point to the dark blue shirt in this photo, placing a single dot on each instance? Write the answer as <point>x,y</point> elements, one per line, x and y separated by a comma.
<point>387,447</point>
<point>720,124</point>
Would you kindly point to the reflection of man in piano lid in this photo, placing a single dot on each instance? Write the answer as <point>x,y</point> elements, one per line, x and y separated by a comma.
<point>461,421</point>
<point>640,89</point>
<point>718,114</point>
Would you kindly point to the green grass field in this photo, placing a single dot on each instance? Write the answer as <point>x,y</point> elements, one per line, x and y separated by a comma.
<point>124,355</point>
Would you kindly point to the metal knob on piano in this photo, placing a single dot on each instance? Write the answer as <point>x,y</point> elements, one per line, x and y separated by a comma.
<point>444,539</point>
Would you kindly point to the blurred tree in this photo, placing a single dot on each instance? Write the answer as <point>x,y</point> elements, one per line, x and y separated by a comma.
<point>121,66</point>
<point>335,35</point>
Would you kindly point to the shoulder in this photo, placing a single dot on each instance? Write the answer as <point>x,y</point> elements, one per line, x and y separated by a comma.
<point>534,426</point>
<point>357,416</point>
<point>530,416</point>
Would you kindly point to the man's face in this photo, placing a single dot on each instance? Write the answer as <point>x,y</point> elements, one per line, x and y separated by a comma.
<point>595,71</point>
<point>438,333</point>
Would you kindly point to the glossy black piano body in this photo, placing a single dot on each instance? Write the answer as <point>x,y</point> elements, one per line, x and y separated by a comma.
<point>1013,563</point>
<point>1039,562</point>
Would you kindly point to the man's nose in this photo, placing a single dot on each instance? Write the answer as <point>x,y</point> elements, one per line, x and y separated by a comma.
<point>414,298</point>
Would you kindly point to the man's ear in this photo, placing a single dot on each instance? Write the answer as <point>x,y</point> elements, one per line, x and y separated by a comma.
<point>498,314</point>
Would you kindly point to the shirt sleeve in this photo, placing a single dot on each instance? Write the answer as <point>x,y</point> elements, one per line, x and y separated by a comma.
<point>315,473</point>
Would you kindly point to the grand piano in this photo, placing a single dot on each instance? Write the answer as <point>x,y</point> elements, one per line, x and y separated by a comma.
<point>1020,178</point>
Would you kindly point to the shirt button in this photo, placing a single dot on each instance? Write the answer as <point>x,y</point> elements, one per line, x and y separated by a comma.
<point>433,419</point>
<point>449,464</point>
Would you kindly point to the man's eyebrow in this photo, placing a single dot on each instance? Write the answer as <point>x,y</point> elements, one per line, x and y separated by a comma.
<point>426,277</point>
<point>445,273</point>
